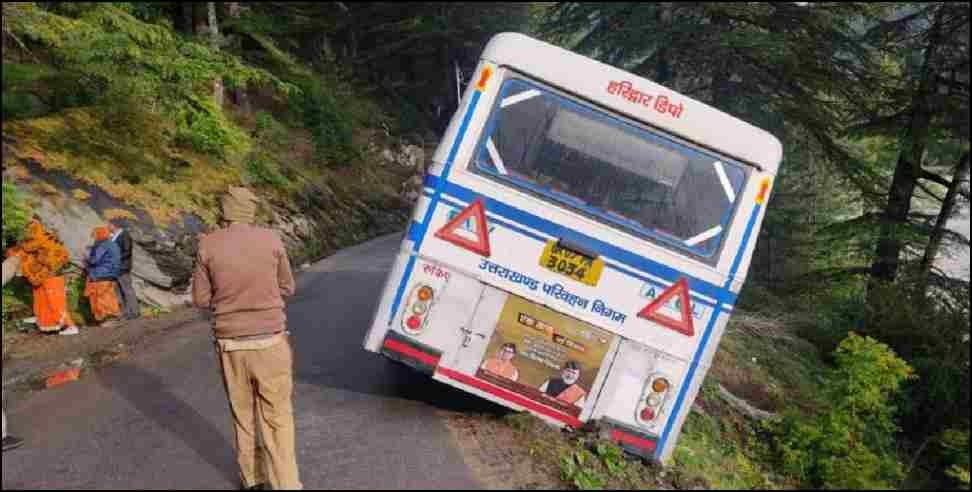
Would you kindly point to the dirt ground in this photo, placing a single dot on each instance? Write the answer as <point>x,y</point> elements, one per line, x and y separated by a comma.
<point>499,455</point>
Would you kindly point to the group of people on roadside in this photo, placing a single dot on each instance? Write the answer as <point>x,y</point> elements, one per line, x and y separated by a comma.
<point>108,288</point>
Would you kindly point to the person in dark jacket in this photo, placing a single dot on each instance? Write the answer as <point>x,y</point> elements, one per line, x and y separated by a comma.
<point>126,291</point>
<point>104,267</point>
<point>104,261</point>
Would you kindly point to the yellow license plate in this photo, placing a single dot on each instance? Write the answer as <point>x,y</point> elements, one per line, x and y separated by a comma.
<point>572,264</point>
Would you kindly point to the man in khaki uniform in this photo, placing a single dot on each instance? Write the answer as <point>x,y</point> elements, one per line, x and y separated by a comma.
<point>243,274</point>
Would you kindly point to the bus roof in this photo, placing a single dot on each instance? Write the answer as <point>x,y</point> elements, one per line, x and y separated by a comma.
<point>636,97</point>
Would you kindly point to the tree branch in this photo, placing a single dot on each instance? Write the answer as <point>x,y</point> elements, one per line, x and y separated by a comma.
<point>930,193</point>
<point>834,274</point>
<point>930,176</point>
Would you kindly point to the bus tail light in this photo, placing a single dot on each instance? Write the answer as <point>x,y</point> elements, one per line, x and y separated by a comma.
<point>417,310</point>
<point>653,399</point>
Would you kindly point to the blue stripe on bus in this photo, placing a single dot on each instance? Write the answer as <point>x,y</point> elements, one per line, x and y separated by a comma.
<point>664,272</point>
<point>413,231</point>
<point>746,238</point>
<point>423,228</point>
<point>697,360</point>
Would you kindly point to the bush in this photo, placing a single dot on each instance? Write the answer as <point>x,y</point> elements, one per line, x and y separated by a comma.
<point>16,215</point>
<point>77,302</point>
<point>19,106</point>
<point>581,468</point>
<point>263,169</point>
<point>19,98</point>
<point>205,129</point>
<point>19,75</point>
<point>408,118</point>
<point>18,301</point>
<point>268,130</point>
<point>851,445</point>
<point>955,456</point>
<point>330,124</point>
<point>933,339</point>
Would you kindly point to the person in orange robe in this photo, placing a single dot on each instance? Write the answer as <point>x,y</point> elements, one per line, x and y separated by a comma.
<point>50,307</point>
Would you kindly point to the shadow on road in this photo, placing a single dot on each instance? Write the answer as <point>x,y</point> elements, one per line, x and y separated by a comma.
<point>329,334</point>
<point>152,398</point>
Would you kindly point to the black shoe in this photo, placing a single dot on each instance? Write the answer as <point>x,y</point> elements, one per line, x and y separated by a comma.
<point>259,486</point>
<point>12,443</point>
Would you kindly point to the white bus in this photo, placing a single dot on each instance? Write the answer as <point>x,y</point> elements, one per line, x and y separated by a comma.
<point>581,241</point>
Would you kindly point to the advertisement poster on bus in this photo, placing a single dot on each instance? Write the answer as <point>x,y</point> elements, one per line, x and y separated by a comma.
<point>545,356</point>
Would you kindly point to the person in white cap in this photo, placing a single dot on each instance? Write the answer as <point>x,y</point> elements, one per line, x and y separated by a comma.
<point>244,288</point>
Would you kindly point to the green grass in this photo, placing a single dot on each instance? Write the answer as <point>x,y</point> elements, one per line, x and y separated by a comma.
<point>723,450</point>
<point>17,299</point>
<point>582,460</point>
<point>18,75</point>
<point>760,361</point>
<point>77,302</point>
<point>32,90</point>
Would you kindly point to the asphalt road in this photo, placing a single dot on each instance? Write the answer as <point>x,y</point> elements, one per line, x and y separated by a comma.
<point>159,420</point>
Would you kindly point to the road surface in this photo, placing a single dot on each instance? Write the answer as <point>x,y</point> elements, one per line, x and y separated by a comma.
<point>160,420</point>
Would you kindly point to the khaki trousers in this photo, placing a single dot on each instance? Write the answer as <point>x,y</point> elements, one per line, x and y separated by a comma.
<point>259,384</point>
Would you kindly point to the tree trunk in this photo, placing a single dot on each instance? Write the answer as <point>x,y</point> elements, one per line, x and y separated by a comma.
<point>663,67</point>
<point>219,94</point>
<point>907,173</point>
<point>961,175</point>
<point>327,49</point>
<point>200,19</point>
<point>721,92</point>
<point>183,18</point>
<point>239,94</point>
<point>184,23</point>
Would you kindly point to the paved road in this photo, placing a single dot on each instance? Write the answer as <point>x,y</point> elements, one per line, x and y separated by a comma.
<point>160,419</point>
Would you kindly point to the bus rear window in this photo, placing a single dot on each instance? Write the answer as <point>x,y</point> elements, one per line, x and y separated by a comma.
<point>614,171</point>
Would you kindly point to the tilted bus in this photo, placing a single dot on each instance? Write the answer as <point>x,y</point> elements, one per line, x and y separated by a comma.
<point>580,244</point>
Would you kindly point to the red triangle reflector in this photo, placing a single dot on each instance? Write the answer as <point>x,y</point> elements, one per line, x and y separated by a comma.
<point>686,325</point>
<point>481,246</point>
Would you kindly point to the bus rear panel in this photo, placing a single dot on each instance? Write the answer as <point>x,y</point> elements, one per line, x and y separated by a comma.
<point>579,247</point>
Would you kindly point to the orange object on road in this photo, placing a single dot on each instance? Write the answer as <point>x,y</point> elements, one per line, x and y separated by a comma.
<point>50,305</point>
<point>63,377</point>
<point>103,300</point>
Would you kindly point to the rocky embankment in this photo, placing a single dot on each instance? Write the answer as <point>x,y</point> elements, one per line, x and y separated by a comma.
<point>318,222</point>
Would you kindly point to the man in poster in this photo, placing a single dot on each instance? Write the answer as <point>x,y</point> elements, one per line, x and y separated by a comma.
<point>502,364</point>
<point>565,388</point>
